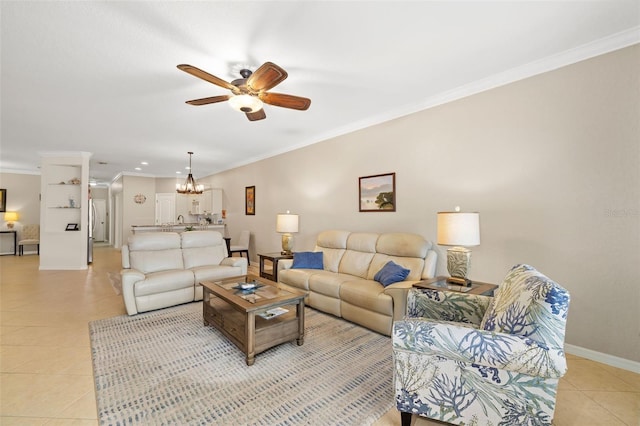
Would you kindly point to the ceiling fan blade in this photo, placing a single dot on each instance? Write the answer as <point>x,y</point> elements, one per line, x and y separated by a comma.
<point>269,75</point>
<point>258,115</point>
<point>197,72</point>
<point>285,101</point>
<point>211,100</point>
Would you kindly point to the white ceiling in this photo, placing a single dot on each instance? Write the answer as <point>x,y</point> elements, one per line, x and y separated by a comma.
<point>101,76</point>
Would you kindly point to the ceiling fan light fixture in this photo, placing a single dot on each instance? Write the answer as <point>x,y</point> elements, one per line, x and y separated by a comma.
<point>245,103</point>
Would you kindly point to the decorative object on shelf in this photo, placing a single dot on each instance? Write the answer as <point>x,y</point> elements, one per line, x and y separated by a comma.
<point>377,193</point>
<point>190,186</point>
<point>72,202</point>
<point>287,223</point>
<point>459,230</point>
<point>10,217</point>
<point>74,181</point>
<point>139,198</point>
<point>72,227</point>
<point>249,200</point>
<point>3,200</point>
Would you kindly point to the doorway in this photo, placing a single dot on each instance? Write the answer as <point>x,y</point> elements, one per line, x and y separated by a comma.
<point>100,220</point>
<point>165,208</point>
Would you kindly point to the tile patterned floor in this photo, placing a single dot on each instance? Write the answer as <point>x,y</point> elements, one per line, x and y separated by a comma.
<point>45,359</point>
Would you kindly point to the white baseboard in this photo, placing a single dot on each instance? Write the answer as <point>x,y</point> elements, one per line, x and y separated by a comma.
<point>614,361</point>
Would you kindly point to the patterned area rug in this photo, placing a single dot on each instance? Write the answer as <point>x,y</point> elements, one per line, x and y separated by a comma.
<point>166,367</point>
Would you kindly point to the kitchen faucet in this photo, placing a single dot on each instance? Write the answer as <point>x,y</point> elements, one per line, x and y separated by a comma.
<point>180,218</point>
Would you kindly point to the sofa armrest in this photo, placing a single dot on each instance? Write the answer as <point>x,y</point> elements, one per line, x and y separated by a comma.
<point>129,278</point>
<point>447,305</point>
<point>399,291</point>
<point>484,348</point>
<point>285,264</point>
<point>241,262</point>
<point>124,252</point>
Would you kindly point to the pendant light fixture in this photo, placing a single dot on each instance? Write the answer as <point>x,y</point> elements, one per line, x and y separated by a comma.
<point>190,186</point>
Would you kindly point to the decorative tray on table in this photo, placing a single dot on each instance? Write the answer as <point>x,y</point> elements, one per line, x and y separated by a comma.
<point>247,287</point>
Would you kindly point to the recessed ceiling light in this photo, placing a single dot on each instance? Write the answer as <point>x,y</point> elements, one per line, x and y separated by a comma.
<point>138,168</point>
<point>187,168</point>
<point>178,173</point>
<point>144,163</point>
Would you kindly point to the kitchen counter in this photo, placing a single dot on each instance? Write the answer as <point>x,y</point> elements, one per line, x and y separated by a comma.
<point>178,227</point>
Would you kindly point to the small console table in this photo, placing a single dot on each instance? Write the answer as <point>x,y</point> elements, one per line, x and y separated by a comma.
<point>273,258</point>
<point>440,283</point>
<point>15,240</point>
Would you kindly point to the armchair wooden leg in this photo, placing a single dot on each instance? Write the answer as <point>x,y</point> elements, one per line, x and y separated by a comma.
<point>405,418</point>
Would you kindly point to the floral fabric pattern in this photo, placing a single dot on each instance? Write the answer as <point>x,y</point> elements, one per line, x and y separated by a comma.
<point>475,360</point>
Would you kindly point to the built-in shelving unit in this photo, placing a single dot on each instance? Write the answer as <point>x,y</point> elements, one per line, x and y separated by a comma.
<point>64,210</point>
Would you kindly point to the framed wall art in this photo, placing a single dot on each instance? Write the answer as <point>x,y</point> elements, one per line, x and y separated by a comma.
<point>377,193</point>
<point>250,200</point>
<point>3,200</point>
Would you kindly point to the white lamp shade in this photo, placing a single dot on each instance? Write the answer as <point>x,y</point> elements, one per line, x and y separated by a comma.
<point>286,222</point>
<point>458,229</point>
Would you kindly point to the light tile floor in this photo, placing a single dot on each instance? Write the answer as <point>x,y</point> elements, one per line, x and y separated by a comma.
<point>45,358</point>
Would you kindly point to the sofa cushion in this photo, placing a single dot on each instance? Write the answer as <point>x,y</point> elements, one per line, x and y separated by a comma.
<point>149,261</point>
<point>402,244</point>
<point>366,294</point>
<point>333,245</point>
<point>391,273</point>
<point>328,283</point>
<point>307,260</point>
<point>154,241</point>
<point>202,248</point>
<point>164,281</point>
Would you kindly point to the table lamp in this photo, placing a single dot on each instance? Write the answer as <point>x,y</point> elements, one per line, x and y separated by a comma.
<point>287,223</point>
<point>10,217</point>
<point>459,230</point>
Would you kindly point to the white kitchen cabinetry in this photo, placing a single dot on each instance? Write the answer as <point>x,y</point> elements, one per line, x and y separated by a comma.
<point>209,202</point>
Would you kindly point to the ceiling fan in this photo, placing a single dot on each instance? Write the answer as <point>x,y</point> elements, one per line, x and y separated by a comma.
<point>251,91</point>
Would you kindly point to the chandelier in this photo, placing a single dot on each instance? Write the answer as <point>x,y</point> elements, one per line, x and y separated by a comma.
<point>190,186</point>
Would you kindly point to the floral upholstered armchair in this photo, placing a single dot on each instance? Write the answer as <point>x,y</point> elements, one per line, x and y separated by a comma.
<point>476,360</point>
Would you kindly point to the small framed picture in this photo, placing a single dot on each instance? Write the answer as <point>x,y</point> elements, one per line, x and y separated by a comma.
<point>3,200</point>
<point>377,193</point>
<point>250,200</point>
<point>72,227</point>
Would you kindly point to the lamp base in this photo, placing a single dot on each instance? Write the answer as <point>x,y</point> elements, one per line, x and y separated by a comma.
<point>458,265</point>
<point>287,244</point>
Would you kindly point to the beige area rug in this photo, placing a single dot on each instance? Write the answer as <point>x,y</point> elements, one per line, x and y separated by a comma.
<point>116,281</point>
<point>166,367</point>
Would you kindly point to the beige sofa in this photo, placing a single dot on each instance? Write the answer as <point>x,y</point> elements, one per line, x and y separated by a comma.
<point>345,287</point>
<point>162,269</point>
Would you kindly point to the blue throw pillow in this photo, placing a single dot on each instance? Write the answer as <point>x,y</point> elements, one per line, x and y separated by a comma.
<point>307,260</point>
<point>391,273</point>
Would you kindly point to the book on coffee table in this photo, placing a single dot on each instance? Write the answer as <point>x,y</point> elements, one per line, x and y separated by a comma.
<point>272,313</point>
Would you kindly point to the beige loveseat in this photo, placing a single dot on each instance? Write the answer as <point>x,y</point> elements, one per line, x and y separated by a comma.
<point>162,269</point>
<point>345,287</point>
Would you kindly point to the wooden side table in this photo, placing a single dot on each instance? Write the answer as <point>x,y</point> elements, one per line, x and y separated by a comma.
<point>440,283</point>
<point>273,259</point>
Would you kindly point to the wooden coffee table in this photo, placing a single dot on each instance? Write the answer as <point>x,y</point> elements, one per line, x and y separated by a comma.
<point>244,316</point>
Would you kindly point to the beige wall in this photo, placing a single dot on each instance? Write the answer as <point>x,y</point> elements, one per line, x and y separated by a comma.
<point>550,162</point>
<point>23,196</point>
